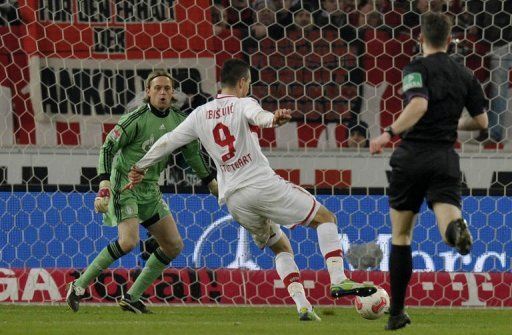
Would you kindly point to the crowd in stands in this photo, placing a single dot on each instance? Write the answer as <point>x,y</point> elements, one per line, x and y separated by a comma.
<point>314,56</point>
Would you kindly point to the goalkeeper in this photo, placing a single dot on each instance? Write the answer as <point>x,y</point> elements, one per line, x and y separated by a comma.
<point>130,139</point>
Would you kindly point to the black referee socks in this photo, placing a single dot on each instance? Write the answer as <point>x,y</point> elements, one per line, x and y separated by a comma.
<point>400,271</point>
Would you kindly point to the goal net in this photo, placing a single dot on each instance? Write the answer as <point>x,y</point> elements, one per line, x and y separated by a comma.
<point>69,69</point>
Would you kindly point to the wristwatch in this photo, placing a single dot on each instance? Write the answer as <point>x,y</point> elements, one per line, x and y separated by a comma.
<point>390,131</point>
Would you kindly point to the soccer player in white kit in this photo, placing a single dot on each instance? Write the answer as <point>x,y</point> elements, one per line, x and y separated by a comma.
<point>255,195</point>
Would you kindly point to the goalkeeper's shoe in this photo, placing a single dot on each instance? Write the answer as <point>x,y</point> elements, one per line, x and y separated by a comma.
<point>398,321</point>
<point>74,295</point>
<point>308,315</point>
<point>349,287</point>
<point>136,307</point>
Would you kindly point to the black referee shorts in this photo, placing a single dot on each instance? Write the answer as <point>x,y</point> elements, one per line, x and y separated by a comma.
<point>418,173</point>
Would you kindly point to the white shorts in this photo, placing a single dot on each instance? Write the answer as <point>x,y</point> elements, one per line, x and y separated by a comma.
<point>261,208</point>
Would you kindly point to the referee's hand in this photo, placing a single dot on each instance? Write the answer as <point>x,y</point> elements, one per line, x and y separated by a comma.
<point>378,143</point>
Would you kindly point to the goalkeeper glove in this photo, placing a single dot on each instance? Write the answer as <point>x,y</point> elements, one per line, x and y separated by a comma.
<point>103,197</point>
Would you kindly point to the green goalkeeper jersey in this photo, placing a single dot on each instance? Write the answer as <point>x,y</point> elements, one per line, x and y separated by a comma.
<point>132,137</point>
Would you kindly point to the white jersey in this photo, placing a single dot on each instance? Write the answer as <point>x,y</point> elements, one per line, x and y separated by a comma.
<point>227,128</point>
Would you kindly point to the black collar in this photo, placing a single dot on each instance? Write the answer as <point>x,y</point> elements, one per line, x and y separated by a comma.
<point>158,112</point>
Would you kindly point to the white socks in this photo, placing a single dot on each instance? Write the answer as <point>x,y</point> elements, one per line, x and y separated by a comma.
<point>289,274</point>
<point>330,246</point>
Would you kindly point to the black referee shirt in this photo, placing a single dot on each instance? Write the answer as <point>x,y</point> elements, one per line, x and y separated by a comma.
<point>449,87</point>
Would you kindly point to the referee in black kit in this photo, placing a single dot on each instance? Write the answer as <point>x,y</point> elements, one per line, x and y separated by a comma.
<point>425,165</point>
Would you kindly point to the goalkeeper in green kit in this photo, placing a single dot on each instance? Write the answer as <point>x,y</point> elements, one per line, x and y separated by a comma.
<point>130,139</point>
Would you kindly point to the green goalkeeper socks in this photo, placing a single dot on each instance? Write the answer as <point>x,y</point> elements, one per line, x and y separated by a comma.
<point>155,265</point>
<point>106,257</point>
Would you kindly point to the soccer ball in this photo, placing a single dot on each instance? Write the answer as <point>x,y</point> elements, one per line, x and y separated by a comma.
<point>373,306</point>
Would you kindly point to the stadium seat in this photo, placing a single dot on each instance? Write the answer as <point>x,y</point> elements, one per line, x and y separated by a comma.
<point>313,91</point>
<point>341,133</point>
<point>309,133</point>
<point>268,75</point>
<point>295,61</point>
<point>304,75</point>
<point>259,90</point>
<point>285,47</point>
<point>322,76</point>
<point>313,61</point>
<point>305,105</point>
<point>303,47</point>
<point>267,46</point>
<point>296,90</point>
<point>267,137</point>
<point>277,90</point>
<point>258,60</point>
<point>269,104</point>
<point>288,103</point>
<point>321,47</point>
<point>331,61</point>
<point>276,61</point>
<point>285,75</point>
<point>332,90</point>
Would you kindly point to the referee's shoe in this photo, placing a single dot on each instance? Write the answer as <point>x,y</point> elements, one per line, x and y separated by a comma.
<point>398,321</point>
<point>458,236</point>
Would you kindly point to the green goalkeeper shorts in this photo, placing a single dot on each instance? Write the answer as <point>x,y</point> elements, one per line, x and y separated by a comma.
<point>142,202</point>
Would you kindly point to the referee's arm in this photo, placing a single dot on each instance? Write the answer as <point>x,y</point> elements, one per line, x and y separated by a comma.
<point>476,105</point>
<point>412,113</point>
<point>478,122</point>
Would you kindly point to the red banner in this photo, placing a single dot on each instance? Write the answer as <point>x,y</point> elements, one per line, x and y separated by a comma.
<point>235,286</point>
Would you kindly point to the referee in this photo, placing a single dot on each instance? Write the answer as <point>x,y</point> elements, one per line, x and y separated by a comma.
<point>425,165</point>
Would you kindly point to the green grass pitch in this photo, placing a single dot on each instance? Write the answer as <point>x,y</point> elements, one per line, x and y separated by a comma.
<point>182,320</point>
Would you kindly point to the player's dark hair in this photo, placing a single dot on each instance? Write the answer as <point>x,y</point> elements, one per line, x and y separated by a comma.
<point>232,71</point>
<point>435,28</point>
<point>153,75</point>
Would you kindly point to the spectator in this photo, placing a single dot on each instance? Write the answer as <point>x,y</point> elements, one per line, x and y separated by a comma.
<point>332,15</point>
<point>412,17</point>
<point>302,20</point>
<point>219,19</point>
<point>239,14</point>
<point>284,10</point>
<point>265,22</point>
<point>9,13</point>
<point>358,135</point>
<point>365,7</point>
